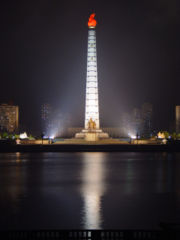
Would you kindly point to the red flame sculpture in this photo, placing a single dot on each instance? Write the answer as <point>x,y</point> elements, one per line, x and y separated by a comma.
<point>92,22</point>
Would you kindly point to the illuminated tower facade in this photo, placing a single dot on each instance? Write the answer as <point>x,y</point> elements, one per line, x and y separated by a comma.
<point>92,131</point>
<point>92,101</point>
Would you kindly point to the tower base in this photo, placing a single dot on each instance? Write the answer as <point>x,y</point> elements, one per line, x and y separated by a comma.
<point>92,135</point>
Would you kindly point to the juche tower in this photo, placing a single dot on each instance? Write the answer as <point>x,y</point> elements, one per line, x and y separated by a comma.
<point>92,131</point>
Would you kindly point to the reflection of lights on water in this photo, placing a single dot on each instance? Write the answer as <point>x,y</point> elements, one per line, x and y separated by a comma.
<point>164,182</point>
<point>92,218</point>
<point>18,157</point>
<point>17,189</point>
<point>93,188</point>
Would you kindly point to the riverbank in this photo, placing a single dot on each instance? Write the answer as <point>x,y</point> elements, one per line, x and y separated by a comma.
<point>91,147</point>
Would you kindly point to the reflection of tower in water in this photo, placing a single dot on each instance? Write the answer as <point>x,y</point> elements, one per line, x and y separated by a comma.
<point>93,188</point>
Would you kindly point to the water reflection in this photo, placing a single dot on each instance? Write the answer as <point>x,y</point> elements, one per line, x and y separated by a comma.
<point>88,190</point>
<point>128,183</point>
<point>14,184</point>
<point>165,176</point>
<point>93,188</point>
<point>17,179</point>
<point>18,157</point>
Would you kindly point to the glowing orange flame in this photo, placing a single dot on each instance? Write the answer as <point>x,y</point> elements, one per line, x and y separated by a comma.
<point>92,22</point>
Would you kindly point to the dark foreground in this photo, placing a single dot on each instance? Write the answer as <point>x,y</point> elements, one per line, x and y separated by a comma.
<point>168,233</point>
<point>89,148</point>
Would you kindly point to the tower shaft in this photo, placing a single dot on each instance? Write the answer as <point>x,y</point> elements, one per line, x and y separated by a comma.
<point>92,131</point>
<point>92,100</point>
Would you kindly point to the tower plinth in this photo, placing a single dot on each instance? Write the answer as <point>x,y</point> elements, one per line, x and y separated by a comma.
<point>92,131</point>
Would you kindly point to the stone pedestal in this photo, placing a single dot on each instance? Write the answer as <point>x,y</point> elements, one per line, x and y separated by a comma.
<point>92,135</point>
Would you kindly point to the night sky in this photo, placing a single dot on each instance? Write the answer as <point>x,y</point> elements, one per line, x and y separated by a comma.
<point>44,49</point>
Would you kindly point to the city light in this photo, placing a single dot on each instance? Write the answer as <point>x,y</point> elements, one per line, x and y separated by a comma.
<point>161,135</point>
<point>23,135</point>
<point>131,136</point>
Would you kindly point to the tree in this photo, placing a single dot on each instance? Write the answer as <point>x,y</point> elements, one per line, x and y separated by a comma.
<point>174,136</point>
<point>5,135</point>
<point>42,136</point>
<point>166,134</point>
<point>31,137</point>
<point>16,136</point>
<point>10,136</point>
<point>178,136</point>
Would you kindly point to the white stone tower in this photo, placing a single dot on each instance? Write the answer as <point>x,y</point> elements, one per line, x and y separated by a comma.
<point>92,101</point>
<point>92,129</point>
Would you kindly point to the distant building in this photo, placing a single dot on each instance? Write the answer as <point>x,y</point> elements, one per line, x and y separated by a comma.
<point>177,119</point>
<point>46,115</point>
<point>146,114</point>
<point>126,123</point>
<point>61,123</point>
<point>137,121</point>
<point>9,118</point>
<point>45,111</point>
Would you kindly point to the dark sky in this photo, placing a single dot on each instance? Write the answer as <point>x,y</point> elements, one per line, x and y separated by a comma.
<point>44,49</point>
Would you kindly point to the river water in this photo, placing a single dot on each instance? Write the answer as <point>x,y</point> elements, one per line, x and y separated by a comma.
<point>89,190</point>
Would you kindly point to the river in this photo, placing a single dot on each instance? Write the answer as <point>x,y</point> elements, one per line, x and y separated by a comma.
<point>89,190</point>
